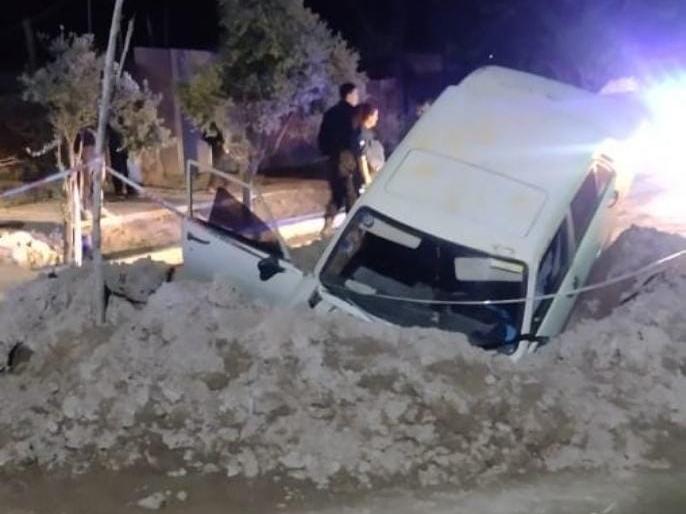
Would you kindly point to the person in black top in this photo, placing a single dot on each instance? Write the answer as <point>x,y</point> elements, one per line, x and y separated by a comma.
<point>366,149</point>
<point>119,161</point>
<point>335,134</point>
<point>85,149</point>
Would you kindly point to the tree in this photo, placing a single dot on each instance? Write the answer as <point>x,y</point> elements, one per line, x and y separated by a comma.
<point>135,115</point>
<point>68,87</point>
<point>277,58</point>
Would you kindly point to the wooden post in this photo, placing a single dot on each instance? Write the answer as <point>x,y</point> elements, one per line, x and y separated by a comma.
<point>76,221</point>
<point>98,169</point>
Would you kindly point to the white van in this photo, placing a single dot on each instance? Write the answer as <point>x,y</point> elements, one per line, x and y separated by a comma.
<point>505,189</point>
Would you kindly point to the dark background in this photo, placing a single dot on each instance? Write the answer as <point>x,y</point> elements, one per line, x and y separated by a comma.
<point>525,34</point>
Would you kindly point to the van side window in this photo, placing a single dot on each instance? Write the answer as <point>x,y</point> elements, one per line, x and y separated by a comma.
<point>551,272</point>
<point>584,206</point>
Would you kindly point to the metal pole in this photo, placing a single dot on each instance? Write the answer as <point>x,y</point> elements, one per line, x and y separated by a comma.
<point>189,188</point>
<point>98,168</point>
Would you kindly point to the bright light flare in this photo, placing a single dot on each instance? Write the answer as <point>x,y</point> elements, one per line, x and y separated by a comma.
<point>657,153</point>
<point>664,141</point>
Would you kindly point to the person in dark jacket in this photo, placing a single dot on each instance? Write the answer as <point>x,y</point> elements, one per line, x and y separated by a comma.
<point>119,161</point>
<point>85,149</point>
<point>335,134</point>
<point>367,151</point>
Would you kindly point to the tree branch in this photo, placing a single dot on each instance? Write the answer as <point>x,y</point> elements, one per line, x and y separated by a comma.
<point>125,50</point>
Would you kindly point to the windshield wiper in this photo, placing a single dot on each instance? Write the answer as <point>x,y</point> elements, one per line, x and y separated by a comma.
<point>339,292</point>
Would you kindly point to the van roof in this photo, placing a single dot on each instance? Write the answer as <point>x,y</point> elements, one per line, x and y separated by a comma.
<point>496,160</point>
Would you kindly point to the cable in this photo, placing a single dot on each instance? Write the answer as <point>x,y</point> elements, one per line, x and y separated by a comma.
<point>573,292</point>
<point>38,183</point>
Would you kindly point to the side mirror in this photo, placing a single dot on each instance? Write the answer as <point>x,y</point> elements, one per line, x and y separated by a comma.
<point>268,267</point>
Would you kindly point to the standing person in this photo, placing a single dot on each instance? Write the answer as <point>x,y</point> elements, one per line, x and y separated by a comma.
<point>368,151</point>
<point>119,162</point>
<point>85,148</point>
<point>214,137</point>
<point>335,135</point>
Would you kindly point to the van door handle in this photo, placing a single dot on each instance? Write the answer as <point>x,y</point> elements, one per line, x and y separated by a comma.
<point>192,237</point>
<point>614,200</point>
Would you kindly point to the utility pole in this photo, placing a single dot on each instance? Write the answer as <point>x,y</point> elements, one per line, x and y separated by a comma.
<point>98,168</point>
<point>89,11</point>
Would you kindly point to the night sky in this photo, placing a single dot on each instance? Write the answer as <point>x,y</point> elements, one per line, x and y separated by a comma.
<point>468,33</point>
<point>192,23</point>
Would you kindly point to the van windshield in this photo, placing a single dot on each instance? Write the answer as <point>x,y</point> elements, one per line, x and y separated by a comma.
<point>377,257</point>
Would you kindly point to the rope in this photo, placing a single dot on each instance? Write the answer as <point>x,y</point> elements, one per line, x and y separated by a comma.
<point>93,164</point>
<point>145,192</point>
<point>573,292</point>
<point>33,185</point>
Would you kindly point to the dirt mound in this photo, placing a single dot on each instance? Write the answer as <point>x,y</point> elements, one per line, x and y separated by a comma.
<point>191,375</point>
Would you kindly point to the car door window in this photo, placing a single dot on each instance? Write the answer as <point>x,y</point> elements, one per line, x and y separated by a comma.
<point>229,215</point>
<point>551,272</point>
<point>584,206</point>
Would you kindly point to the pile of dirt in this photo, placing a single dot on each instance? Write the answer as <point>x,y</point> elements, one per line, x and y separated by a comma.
<point>30,250</point>
<point>193,375</point>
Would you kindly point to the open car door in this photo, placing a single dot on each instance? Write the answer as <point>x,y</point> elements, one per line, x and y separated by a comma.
<point>224,239</point>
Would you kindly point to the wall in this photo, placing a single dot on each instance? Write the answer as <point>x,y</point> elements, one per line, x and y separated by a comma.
<point>164,69</point>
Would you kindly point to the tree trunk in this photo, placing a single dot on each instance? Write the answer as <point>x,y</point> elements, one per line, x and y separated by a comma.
<point>74,209</point>
<point>282,134</point>
<point>67,215</point>
<point>260,144</point>
<point>67,209</point>
<point>64,207</point>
